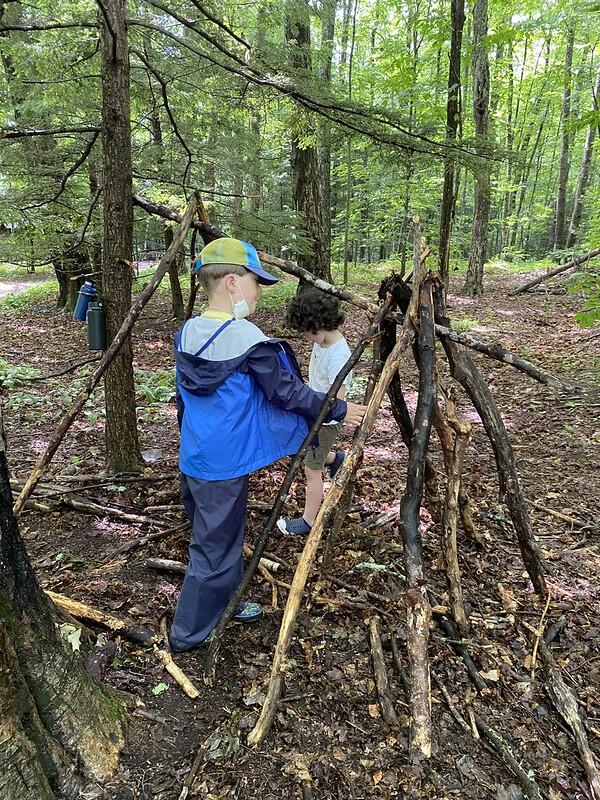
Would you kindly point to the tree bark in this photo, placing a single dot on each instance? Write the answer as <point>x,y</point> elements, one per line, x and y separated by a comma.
<point>453,108</point>
<point>481,100</point>
<point>563,173</point>
<point>305,163</point>
<point>122,445</point>
<point>418,610</point>
<point>584,173</point>
<point>57,726</point>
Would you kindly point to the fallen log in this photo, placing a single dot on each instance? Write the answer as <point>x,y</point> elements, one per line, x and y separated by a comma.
<point>134,634</point>
<point>563,268</point>
<point>82,611</point>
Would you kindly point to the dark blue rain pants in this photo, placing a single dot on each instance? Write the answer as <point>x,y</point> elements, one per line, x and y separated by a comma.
<point>217,511</point>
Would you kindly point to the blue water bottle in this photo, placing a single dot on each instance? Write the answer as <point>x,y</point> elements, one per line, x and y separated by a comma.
<point>87,293</point>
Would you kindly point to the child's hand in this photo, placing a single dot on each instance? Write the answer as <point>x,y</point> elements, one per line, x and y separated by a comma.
<point>354,414</point>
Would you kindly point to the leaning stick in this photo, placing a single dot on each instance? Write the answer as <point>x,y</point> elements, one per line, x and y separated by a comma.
<point>307,558</point>
<point>466,373</point>
<point>450,516</point>
<point>566,703</point>
<point>386,701</point>
<point>563,268</point>
<point>418,610</point>
<point>106,359</point>
<point>260,544</point>
<point>493,350</point>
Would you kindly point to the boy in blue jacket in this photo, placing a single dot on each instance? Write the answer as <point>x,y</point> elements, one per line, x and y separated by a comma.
<point>241,405</point>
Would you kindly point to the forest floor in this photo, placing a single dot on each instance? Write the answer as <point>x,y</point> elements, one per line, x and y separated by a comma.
<point>330,722</point>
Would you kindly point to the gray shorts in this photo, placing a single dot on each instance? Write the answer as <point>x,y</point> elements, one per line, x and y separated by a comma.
<point>315,457</point>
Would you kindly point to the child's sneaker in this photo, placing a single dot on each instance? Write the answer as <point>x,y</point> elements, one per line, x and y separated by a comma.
<point>337,462</point>
<point>297,526</point>
<point>248,612</point>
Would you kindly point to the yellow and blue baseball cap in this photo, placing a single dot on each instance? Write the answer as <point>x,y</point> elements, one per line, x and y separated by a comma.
<point>234,251</point>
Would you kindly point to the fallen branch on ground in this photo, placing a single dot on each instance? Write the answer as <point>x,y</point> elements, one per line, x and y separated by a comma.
<point>563,268</point>
<point>386,701</point>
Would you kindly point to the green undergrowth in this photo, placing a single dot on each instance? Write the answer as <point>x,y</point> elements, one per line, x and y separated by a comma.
<point>37,292</point>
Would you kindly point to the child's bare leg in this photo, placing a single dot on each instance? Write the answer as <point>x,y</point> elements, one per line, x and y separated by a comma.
<point>314,494</point>
<point>329,458</point>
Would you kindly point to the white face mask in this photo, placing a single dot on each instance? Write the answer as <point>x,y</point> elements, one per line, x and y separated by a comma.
<point>240,309</point>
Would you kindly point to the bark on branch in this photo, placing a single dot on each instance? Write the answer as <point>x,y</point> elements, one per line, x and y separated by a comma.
<point>563,268</point>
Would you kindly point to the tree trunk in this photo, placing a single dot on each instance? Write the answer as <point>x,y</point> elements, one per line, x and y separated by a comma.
<point>327,39</point>
<point>122,446</point>
<point>176,294</point>
<point>559,237</point>
<point>584,173</point>
<point>305,162</point>
<point>58,728</point>
<point>481,100</point>
<point>453,107</point>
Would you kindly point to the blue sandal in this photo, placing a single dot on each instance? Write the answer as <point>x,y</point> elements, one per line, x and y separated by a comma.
<point>337,462</point>
<point>297,526</point>
<point>248,612</point>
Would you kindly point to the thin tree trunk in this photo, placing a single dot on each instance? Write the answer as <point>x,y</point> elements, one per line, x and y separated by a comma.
<point>453,107</point>
<point>122,445</point>
<point>559,237</point>
<point>584,173</point>
<point>481,99</point>
<point>305,162</point>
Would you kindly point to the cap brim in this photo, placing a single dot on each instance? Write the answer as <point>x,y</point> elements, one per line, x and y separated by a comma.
<point>264,277</point>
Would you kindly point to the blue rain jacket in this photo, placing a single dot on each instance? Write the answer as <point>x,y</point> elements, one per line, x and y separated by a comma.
<point>241,400</point>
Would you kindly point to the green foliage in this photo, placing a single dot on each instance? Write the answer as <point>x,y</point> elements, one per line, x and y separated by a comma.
<point>155,387</point>
<point>464,324</point>
<point>588,284</point>
<point>12,375</point>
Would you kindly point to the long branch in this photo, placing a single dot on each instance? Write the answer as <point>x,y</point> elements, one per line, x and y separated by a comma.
<point>23,133</point>
<point>493,350</point>
<point>106,359</point>
<point>563,268</point>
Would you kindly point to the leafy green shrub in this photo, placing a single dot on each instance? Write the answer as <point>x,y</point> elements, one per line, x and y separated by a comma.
<point>464,324</point>
<point>588,283</point>
<point>155,387</point>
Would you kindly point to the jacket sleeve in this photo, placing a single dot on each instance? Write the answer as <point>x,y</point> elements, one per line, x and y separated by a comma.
<point>285,390</point>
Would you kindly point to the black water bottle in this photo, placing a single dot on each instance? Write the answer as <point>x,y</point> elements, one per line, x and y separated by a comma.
<point>96,326</point>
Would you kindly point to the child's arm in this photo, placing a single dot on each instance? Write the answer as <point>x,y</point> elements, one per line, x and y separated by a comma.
<point>285,390</point>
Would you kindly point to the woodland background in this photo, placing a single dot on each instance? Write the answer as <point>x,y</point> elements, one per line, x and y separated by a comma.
<point>316,131</point>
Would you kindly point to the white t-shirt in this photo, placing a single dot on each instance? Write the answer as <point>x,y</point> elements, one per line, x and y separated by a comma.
<point>325,363</point>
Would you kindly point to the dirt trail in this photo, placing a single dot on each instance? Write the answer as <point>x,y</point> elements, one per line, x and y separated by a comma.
<point>16,286</point>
